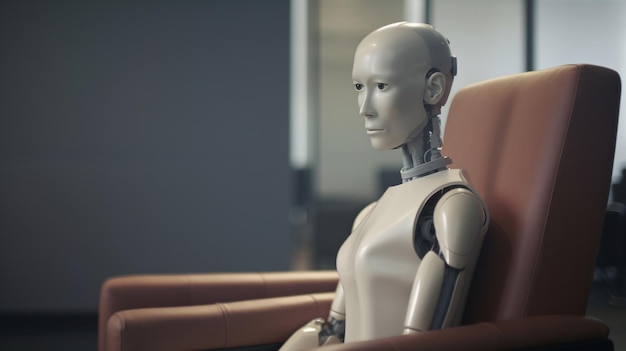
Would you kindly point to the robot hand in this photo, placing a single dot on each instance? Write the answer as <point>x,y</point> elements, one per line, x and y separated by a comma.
<point>333,331</point>
<point>314,334</point>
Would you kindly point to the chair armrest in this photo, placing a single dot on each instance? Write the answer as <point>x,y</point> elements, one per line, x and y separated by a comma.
<point>146,291</point>
<point>215,326</point>
<point>526,333</point>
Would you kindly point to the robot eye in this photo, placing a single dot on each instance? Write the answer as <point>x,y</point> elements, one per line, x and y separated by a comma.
<point>381,86</point>
<point>358,86</point>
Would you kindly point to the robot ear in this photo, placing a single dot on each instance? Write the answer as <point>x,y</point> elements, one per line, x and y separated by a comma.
<point>435,88</point>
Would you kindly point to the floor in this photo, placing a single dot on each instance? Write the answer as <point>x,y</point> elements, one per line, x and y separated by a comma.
<point>49,332</point>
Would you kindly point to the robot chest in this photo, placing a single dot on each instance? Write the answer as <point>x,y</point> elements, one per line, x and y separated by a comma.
<point>382,245</point>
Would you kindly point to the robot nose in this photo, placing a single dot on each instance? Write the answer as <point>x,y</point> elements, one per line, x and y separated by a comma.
<point>366,109</point>
<point>368,114</point>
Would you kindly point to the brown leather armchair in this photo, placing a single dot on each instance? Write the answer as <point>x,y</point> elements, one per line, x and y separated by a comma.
<point>539,148</point>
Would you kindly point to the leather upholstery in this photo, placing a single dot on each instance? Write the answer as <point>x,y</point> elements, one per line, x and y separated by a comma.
<point>537,146</point>
<point>153,291</point>
<point>539,149</point>
<point>214,326</point>
<point>240,324</point>
<point>507,335</point>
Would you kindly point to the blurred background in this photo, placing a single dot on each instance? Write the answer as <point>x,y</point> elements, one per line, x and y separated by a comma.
<point>143,137</point>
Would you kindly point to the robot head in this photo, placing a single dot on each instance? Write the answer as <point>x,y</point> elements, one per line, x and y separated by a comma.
<point>403,73</point>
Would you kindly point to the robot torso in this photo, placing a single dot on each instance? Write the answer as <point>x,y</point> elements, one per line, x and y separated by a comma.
<point>377,264</point>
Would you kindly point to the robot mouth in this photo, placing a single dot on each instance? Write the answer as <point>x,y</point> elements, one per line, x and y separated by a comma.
<point>373,131</point>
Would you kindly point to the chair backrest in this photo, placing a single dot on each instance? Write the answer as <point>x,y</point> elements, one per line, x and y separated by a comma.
<point>538,147</point>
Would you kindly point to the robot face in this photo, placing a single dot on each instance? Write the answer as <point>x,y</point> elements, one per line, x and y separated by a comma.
<point>390,81</point>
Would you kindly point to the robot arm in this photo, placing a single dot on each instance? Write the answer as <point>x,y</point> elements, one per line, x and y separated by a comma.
<point>333,330</point>
<point>338,307</point>
<point>425,294</point>
<point>441,279</point>
<point>330,331</point>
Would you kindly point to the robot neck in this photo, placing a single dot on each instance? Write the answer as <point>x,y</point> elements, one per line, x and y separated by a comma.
<point>413,150</point>
<point>421,153</point>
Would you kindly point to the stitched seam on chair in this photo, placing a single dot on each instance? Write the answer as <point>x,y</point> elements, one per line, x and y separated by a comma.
<point>317,306</point>
<point>264,284</point>
<point>498,334</point>
<point>189,290</point>
<point>393,347</point>
<point>224,310</point>
<point>530,291</point>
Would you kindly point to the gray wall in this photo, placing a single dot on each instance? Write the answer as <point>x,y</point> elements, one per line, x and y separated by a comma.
<point>139,137</point>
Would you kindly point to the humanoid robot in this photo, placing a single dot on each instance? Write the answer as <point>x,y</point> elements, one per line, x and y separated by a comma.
<point>407,265</point>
